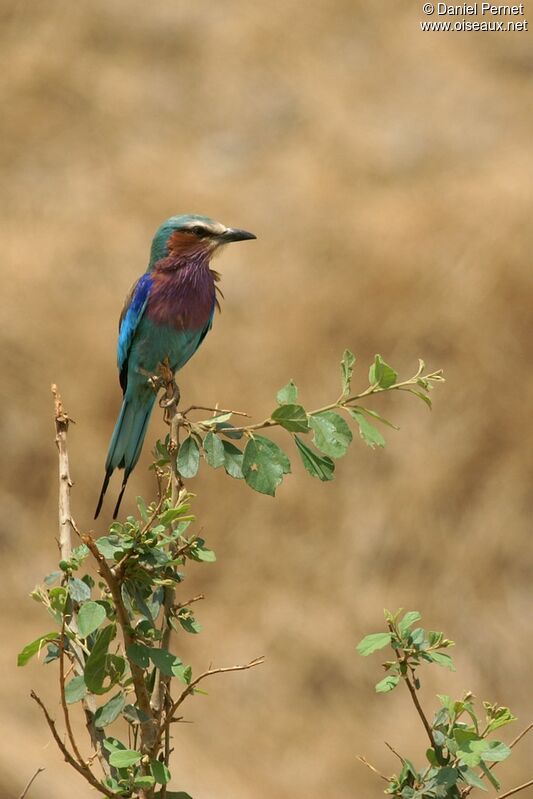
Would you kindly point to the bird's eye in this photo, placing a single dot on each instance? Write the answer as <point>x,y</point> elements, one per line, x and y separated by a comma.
<point>198,231</point>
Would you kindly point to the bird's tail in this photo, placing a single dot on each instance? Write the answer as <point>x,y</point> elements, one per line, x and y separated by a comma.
<point>126,442</point>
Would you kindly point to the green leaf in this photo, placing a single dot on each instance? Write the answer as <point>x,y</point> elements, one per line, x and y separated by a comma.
<point>292,418</point>
<point>214,450</point>
<point>388,683</point>
<point>188,622</point>
<point>110,711</point>
<point>171,515</point>
<point>490,776</point>
<point>52,653</point>
<point>124,758</point>
<point>472,778</point>
<point>218,419</point>
<point>332,436</point>
<point>447,776</point>
<point>316,464</point>
<point>108,546</point>
<point>368,432</point>
<point>288,394</point>
<point>143,781</point>
<point>96,666</point>
<point>134,715</point>
<point>371,643</point>
<point>469,746</point>
<point>164,660</point>
<point>78,590</point>
<point>408,620</point>
<point>232,460</point>
<point>139,654</point>
<point>141,504</point>
<point>160,772</point>
<point>495,751</point>
<point>228,430</point>
<point>200,552</point>
<point>442,660</point>
<point>381,374</point>
<point>499,718</point>
<point>50,579</point>
<point>422,396</point>
<point>188,459</point>
<point>264,465</point>
<point>347,363</point>
<point>35,647</point>
<point>90,617</point>
<point>374,415</point>
<point>75,689</point>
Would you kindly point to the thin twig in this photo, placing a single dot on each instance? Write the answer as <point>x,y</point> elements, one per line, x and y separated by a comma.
<point>414,697</point>
<point>180,605</point>
<point>82,769</point>
<point>521,735</point>
<point>394,752</point>
<point>365,762</point>
<point>190,688</point>
<point>141,692</point>
<point>216,411</point>
<point>64,705</point>
<point>341,402</point>
<point>412,691</point>
<point>493,765</point>
<point>28,786</point>
<point>518,788</point>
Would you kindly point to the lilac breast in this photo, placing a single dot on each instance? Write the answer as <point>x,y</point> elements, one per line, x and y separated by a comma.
<point>182,297</point>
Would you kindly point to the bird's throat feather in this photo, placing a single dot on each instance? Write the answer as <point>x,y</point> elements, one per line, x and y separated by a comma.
<point>182,295</point>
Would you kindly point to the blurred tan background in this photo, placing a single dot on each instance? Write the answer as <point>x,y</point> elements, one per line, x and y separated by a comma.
<point>388,175</point>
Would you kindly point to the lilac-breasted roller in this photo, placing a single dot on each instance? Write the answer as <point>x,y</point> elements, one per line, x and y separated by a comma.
<point>165,318</point>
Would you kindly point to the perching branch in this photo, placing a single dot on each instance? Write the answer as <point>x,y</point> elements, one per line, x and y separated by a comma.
<point>347,402</point>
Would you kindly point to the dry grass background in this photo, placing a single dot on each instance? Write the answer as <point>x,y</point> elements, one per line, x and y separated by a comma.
<point>387,174</point>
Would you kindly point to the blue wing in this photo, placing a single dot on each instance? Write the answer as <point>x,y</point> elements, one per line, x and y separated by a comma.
<point>130,317</point>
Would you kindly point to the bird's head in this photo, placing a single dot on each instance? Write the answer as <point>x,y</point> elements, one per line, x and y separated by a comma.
<point>191,235</point>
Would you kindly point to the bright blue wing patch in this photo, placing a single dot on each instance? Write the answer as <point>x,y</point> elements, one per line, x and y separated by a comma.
<point>131,316</point>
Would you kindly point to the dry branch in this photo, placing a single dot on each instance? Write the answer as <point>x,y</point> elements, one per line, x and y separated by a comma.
<point>67,529</point>
<point>30,783</point>
<point>81,768</point>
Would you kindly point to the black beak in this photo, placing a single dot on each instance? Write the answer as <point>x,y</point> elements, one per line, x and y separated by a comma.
<point>234,234</point>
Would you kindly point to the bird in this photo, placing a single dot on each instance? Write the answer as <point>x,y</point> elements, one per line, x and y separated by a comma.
<point>166,316</point>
